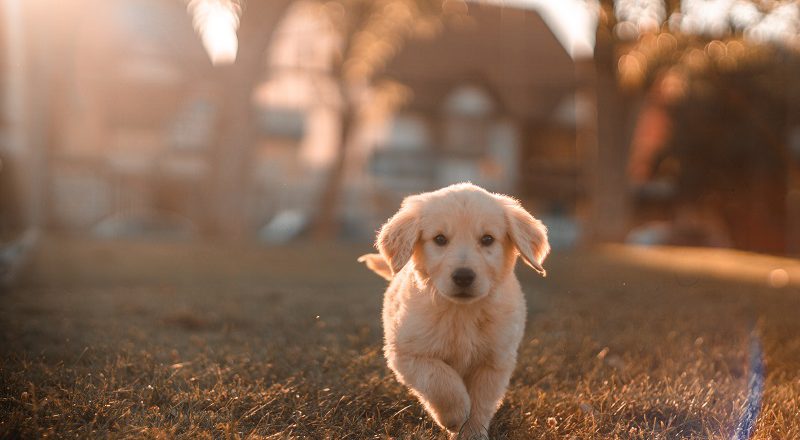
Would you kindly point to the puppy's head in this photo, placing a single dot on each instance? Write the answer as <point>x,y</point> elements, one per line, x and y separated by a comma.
<point>462,240</point>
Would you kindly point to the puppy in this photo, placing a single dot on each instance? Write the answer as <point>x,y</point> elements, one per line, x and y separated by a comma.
<point>454,313</point>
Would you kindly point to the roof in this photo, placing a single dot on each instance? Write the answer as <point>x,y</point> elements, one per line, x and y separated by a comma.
<point>511,51</point>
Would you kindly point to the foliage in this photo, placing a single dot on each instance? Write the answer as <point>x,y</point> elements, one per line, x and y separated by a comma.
<point>717,82</point>
<point>731,36</point>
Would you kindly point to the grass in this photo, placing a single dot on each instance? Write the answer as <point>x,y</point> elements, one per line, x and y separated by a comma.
<point>155,340</point>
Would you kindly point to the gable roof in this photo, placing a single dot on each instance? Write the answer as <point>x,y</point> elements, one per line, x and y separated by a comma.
<point>510,51</point>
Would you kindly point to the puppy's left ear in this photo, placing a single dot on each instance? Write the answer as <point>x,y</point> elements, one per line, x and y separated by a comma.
<point>399,234</point>
<point>528,233</point>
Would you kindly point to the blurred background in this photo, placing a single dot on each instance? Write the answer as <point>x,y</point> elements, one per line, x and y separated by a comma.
<point>185,186</point>
<point>649,121</point>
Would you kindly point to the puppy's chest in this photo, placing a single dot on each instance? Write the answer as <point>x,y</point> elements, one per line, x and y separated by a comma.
<point>461,341</point>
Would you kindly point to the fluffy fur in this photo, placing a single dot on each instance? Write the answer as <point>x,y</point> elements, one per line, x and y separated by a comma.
<point>455,344</point>
<point>377,264</point>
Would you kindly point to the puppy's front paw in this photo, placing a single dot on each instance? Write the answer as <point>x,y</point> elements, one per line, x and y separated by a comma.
<point>453,414</point>
<point>473,430</point>
<point>468,435</point>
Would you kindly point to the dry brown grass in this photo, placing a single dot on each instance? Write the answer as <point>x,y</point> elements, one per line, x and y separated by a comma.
<point>178,340</point>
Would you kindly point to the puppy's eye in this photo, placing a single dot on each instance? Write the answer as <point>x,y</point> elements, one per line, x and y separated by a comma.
<point>440,239</point>
<point>487,240</point>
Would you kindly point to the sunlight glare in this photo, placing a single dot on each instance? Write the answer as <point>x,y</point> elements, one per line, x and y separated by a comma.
<point>217,22</point>
<point>573,22</point>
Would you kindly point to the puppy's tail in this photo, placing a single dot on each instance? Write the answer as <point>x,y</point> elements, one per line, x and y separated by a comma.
<point>377,264</point>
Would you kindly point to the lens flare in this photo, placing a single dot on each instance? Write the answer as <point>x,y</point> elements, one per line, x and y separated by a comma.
<point>778,278</point>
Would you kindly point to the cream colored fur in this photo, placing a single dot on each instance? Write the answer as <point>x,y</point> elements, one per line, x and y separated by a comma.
<point>377,264</point>
<point>455,347</point>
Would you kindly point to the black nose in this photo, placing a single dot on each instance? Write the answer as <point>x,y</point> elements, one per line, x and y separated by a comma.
<point>463,277</point>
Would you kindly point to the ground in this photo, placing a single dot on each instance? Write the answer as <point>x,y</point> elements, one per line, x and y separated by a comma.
<point>165,340</point>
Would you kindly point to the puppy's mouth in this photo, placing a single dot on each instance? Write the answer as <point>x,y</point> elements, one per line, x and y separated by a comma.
<point>464,297</point>
<point>460,295</point>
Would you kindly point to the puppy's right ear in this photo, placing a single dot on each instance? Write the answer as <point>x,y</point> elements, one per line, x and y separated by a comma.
<point>399,234</point>
<point>377,264</point>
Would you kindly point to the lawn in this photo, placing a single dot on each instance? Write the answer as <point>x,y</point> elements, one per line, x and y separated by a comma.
<point>166,340</point>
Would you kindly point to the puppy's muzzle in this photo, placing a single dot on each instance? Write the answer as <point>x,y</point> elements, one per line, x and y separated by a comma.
<point>463,277</point>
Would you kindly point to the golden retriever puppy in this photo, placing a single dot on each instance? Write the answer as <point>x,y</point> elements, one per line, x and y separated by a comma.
<point>454,313</point>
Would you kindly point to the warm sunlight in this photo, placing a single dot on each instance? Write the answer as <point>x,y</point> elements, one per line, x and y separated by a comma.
<point>217,22</point>
<point>572,22</point>
<point>331,219</point>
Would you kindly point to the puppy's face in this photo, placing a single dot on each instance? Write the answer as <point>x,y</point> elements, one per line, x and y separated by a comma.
<point>462,240</point>
<point>463,249</point>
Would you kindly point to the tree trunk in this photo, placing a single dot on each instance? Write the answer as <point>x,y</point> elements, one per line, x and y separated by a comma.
<point>237,126</point>
<point>326,224</point>
<point>793,163</point>
<point>607,188</point>
<point>793,204</point>
<point>236,136</point>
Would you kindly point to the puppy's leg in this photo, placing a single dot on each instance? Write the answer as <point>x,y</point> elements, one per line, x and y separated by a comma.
<point>438,387</point>
<point>486,386</point>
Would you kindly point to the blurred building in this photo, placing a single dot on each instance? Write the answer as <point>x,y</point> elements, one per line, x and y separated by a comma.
<point>21,132</point>
<point>493,102</point>
<point>134,122</point>
<point>114,122</point>
<point>135,135</point>
<point>492,112</point>
<point>7,191</point>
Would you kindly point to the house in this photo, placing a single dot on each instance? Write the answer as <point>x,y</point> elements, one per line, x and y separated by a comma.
<point>130,114</point>
<point>134,142</point>
<point>493,102</point>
